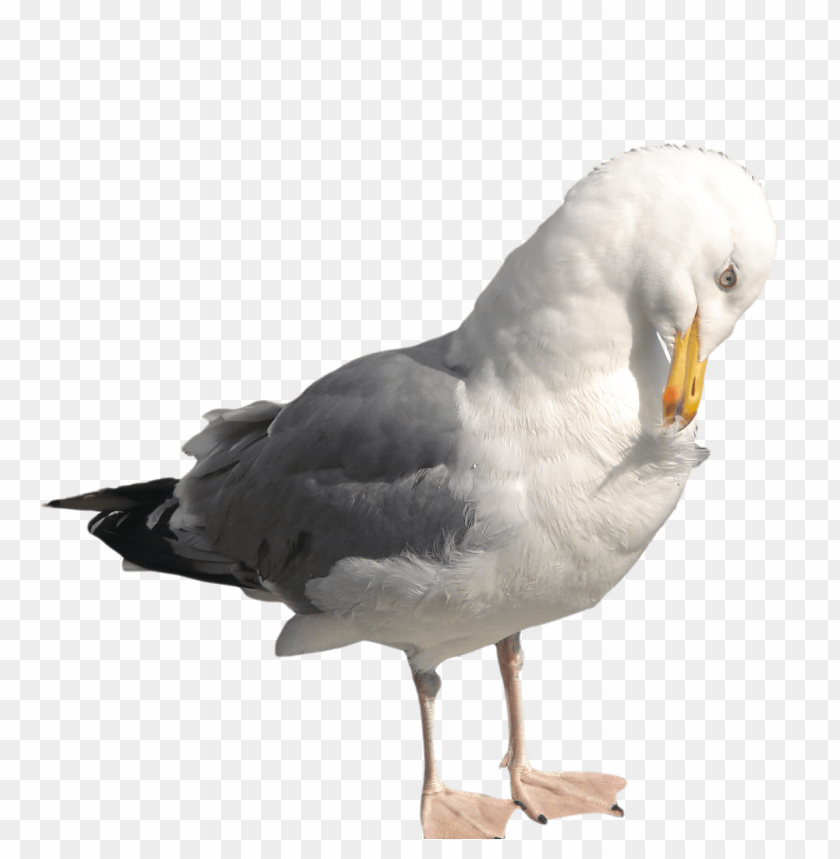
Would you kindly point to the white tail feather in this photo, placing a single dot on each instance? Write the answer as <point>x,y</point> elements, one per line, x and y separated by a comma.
<point>309,633</point>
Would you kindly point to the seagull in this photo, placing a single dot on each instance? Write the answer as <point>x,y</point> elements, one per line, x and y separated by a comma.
<point>444,497</point>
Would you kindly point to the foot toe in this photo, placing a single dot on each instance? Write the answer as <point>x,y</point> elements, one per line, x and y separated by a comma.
<point>564,794</point>
<point>450,813</point>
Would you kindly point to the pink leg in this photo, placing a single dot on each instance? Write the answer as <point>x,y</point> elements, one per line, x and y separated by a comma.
<point>544,796</point>
<point>447,813</point>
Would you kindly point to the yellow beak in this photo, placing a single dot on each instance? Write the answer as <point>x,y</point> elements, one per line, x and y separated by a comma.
<point>681,397</point>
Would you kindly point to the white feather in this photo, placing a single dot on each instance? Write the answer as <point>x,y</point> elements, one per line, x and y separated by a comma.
<point>561,455</point>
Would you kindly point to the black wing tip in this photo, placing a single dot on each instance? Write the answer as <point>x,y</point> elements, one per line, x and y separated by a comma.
<point>67,503</point>
<point>125,497</point>
<point>89,502</point>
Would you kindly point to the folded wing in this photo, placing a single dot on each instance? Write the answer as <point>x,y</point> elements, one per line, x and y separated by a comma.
<point>357,466</point>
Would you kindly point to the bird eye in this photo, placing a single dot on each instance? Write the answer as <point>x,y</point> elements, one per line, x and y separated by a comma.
<point>728,278</point>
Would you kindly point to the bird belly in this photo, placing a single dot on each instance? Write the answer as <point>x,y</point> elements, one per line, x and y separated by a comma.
<point>548,539</point>
<point>477,597</point>
<point>569,544</point>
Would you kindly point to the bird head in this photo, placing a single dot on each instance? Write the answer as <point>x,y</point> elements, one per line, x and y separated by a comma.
<point>679,239</point>
<point>710,241</point>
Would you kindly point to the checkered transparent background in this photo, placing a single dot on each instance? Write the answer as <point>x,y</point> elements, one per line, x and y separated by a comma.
<point>204,205</point>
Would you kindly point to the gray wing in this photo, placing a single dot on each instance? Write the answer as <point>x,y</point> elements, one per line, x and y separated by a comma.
<point>357,466</point>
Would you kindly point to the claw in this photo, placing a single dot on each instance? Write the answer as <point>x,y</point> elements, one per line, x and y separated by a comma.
<point>619,809</point>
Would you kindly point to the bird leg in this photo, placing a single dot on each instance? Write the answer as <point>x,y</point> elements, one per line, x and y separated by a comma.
<point>447,813</point>
<point>543,796</point>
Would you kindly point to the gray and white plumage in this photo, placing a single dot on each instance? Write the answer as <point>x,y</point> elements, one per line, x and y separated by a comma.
<point>442,497</point>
